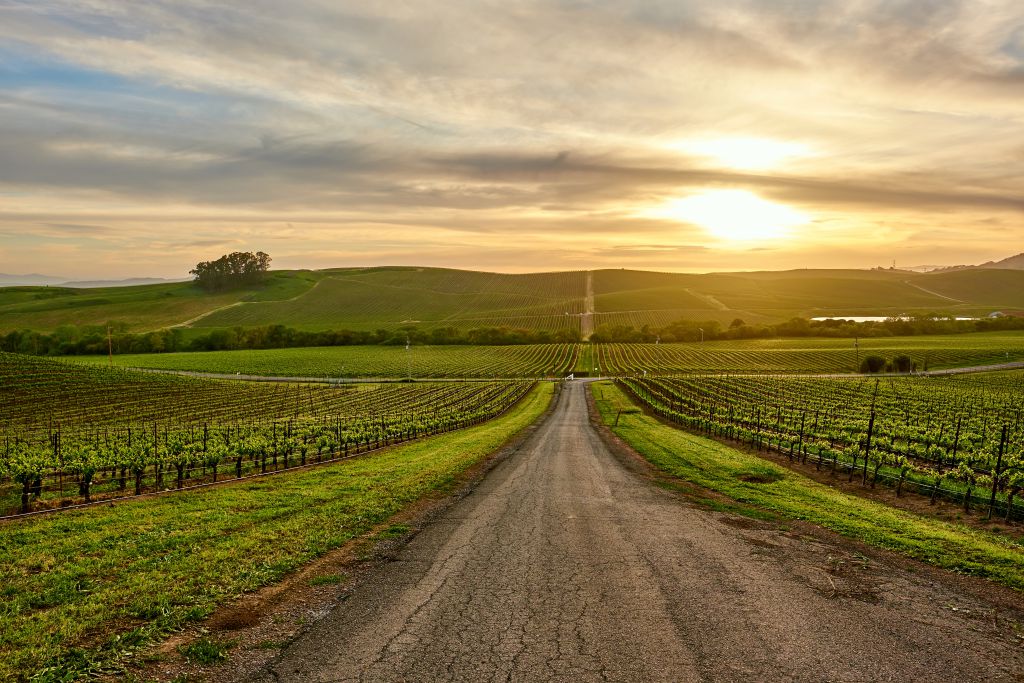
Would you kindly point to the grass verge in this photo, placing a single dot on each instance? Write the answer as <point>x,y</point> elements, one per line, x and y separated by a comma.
<point>750,480</point>
<point>81,591</point>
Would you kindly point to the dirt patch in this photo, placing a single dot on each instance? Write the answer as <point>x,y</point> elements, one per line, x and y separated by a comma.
<point>759,478</point>
<point>235,619</point>
<point>746,523</point>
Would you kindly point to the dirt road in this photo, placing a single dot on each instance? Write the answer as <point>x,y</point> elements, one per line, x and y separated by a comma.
<point>564,565</point>
<point>587,317</point>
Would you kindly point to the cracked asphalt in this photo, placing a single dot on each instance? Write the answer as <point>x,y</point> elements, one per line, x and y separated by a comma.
<point>564,565</point>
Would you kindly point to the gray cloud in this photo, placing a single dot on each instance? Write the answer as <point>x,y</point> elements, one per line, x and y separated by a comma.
<point>466,120</point>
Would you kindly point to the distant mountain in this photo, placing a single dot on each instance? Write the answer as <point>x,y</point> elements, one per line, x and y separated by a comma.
<point>30,279</point>
<point>37,280</point>
<point>86,284</point>
<point>1012,263</point>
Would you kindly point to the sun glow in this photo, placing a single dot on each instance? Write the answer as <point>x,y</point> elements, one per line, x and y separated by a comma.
<point>745,153</point>
<point>733,215</point>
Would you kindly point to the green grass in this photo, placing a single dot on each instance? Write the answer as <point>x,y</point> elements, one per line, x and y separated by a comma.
<point>390,297</point>
<point>205,651</point>
<point>775,296</point>
<point>749,480</point>
<point>82,589</point>
<point>426,297</point>
<point>140,307</point>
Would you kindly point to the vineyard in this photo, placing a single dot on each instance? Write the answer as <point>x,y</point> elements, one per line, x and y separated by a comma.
<point>656,318</point>
<point>807,355</point>
<point>73,435</point>
<point>804,355</point>
<point>340,362</point>
<point>954,437</point>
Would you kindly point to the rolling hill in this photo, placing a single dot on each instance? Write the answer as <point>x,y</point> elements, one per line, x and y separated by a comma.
<point>391,297</point>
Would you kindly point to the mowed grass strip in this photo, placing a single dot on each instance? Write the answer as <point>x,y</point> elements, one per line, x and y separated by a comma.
<point>748,479</point>
<point>80,589</point>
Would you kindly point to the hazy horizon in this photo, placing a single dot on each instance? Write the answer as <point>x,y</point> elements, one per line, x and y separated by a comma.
<point>140,138</point>
<point>537,270</point>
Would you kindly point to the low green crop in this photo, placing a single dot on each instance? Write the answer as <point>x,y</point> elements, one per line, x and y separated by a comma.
<point>82,589</point>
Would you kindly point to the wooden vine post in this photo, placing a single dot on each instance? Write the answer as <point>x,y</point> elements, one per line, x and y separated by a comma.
<point>996,473</point>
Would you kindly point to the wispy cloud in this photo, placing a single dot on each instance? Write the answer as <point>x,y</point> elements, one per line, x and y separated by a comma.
<point>491,134</point>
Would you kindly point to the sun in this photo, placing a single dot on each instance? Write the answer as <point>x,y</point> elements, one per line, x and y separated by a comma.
<point>733,215</point>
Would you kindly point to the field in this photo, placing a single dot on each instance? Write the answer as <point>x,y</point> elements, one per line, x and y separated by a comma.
<point>958,437</point>
<point>758,488</point>
<point>84,589</point>
<point>340,362</point>
<point>807,355</point>
<point>430,298</point>
<point>139,308</point>
<point>83,434</point>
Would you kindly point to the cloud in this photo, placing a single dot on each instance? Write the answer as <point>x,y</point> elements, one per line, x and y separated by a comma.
<point>484,124</point>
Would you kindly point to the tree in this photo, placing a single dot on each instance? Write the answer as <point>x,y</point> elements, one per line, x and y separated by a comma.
<point>237,269</point>
<point>902,363</point>
<point>872,364</point>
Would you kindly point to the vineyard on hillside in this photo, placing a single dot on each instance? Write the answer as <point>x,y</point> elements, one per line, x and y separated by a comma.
<point>955,437</point>
<point>340,362</point>
<point>75,435</point>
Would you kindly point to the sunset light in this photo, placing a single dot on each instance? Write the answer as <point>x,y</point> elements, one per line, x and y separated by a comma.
<point>503,291</point>
<point>733,215</point>
<point>462,134</point>
<point>745,153</point>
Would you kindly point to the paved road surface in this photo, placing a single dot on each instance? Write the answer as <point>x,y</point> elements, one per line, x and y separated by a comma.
<point>565,566</point>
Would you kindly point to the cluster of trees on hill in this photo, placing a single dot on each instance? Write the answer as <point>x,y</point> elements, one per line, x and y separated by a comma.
<point>690,330</point>
<point>237,269</point>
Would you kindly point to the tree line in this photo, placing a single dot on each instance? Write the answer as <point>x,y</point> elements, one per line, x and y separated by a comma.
<point>87,340</point>
<point>708,330</point>
<point>70,340</point>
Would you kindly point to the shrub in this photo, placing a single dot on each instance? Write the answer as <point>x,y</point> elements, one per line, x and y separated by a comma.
<point>902,363</point>
<point>872,364</point>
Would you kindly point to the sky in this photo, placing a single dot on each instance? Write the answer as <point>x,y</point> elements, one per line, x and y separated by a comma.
<point>138,137</point>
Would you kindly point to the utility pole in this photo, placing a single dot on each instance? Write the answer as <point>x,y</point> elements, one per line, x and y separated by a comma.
<point>701,333</point>
<point>110,348</point>
<point>408,358</point>
<point>856,346</point>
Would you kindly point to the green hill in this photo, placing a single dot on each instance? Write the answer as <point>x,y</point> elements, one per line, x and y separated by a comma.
<point>391,297</point>
<point>426,297</point>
